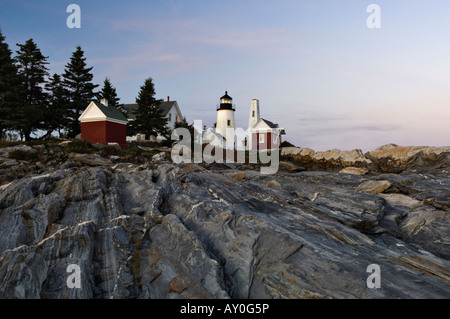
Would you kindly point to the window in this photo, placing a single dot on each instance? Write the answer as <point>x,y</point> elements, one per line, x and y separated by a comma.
<point>253,114</point>
<point>261,138</point>
<point>228,122</point>
<point>170,117</point>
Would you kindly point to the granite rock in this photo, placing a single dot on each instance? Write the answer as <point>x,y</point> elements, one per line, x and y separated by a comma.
<point>191,232</point>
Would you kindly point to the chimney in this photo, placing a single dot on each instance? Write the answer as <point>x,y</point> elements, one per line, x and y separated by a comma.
<point>104,102</point>
<point>168,99</point>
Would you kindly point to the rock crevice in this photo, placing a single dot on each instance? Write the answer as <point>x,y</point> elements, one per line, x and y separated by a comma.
<point>189,231</point>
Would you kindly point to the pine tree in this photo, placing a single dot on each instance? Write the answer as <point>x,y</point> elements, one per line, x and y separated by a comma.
<point>109,93</point>
<point>33,73</point>
<point>190,127</point>
<point>9,88</point>
<point>149,118</point>
<point>55,115</point>
<point>80,89</point>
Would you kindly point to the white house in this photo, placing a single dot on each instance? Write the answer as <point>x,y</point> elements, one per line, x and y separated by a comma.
<point>170,110</point>
<point>262,134</point>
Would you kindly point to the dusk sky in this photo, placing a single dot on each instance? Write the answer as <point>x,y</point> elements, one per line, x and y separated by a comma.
<point>315,66</point>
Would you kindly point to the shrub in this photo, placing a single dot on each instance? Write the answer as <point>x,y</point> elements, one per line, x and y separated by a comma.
<point>21,155</point>
<point>80,146</point>
<point>287,144</point>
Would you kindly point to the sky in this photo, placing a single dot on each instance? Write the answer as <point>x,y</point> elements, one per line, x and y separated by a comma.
<point>315,66</point>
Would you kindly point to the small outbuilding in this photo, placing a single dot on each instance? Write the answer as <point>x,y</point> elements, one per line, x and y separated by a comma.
<point>103,124</point>
<point>263,135</point>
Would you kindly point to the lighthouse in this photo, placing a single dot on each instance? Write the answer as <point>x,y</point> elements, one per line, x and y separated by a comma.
<point>253,119</point>
<point>225,124</point>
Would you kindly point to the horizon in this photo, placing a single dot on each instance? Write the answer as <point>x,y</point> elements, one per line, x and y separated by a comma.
<point>316,68</point>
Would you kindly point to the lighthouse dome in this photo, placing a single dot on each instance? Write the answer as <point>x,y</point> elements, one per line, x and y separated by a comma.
<point>226,102</point>
<point>226,97</point>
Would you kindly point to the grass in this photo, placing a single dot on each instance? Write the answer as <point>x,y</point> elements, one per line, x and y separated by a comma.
<point>80,146</point>
<point>20,155</point>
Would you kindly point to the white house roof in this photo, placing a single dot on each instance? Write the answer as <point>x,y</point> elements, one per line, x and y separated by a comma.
<point>266,125</point>
<point>99,112</point>
<point>262,123</point>
<point>165,106</point>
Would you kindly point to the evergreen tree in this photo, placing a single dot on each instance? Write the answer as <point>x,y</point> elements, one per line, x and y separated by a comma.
<point>55,115</point>
<point>109,92</point>
<point>190,127</point>
<point>33,73</point>
<point>9,88</point>
<point>149,118</point>
<point>80,89</point>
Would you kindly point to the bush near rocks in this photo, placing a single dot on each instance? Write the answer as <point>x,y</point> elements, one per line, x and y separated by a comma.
<point>22,155</point>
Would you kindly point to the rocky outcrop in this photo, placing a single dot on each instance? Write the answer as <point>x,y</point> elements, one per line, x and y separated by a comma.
<point>190,231</point>
<point>89,159</point>
<point>389,158</point>
<point>373,187</point>
<point>5,152</point>
<point>333,160</point>
<point>354,170</point>
<point>395,159</point>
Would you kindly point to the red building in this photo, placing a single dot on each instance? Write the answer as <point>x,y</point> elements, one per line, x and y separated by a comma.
<point>103,124</point>
<point>265,136</point>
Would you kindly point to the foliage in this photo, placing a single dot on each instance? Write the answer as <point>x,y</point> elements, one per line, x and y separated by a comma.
<point>9,88</point>
<point>149,118</point>
<point>32,101</point>
<point>21,155</point>
<point>80,146</point>
<point>32,71</point>
<point>286,144</point>
<point>190,127</point>
<point>109,93</point>
<point>55,115</point>
<point>79,87</point>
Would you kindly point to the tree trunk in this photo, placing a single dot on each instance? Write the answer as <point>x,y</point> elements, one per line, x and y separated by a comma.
<point>46,135</point>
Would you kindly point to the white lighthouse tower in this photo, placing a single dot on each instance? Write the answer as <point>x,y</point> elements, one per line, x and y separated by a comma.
<point>252,120</point>
<point>254,113</point>
<point>225,124</point>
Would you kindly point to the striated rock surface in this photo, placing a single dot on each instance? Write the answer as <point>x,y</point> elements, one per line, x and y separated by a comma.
<point>331,160</point>
<point>373,187</point>
<point>354,171</point>
<point>89,159</point>
<point>393,158</point>
<point>389,158</point>
<point>5,152</point>
<point>190,231</point>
